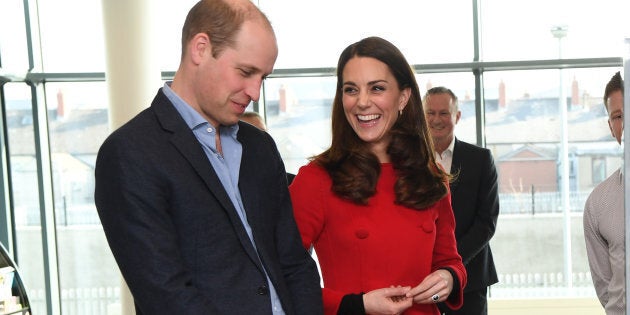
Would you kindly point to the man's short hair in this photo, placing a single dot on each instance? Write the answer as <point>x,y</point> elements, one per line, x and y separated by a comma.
<point>442,90</point>
<point>221,21</point>
<point>615,84</point>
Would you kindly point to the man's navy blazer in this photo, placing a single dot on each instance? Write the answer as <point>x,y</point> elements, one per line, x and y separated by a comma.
<point>176,235</point>
<point>475,200</point>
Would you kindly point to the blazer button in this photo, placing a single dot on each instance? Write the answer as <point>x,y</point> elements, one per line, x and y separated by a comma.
<point>263,290</point>
<point>362,234</point>
<point>427,227</point>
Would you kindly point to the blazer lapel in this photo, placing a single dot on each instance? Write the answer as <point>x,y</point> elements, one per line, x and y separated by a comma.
<point>456,164</point>
<point>186,143</point>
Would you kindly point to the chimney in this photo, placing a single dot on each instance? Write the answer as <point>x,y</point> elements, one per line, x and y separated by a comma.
<point>283,99</point>
<point>575,93</point>
<point>61,107</point>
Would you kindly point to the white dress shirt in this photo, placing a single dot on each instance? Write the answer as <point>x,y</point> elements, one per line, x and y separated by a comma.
<point>446,158</point>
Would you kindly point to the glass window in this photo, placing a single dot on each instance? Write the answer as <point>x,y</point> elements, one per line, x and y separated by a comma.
<point>524,133</point>
<point>313,33</point>
<point>170,17</point>
<point>526,97</point>
<point>599,169</point>
<point>521,30</point>
<point>68,48</point>
<point>78,124</point>
<point>21,150</point>
<point>298,112</point>
<point>13,52</point>
<point>72,36</point>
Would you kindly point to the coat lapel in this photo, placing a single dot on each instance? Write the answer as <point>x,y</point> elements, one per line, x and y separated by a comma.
<point>456,165</point>
<point>184,140</point>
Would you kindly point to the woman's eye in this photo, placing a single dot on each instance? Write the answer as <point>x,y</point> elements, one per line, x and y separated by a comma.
<point>349,90</point>
<point>378,88</point>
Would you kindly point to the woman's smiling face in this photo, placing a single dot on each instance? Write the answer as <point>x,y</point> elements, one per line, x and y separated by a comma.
<point>372,100</point>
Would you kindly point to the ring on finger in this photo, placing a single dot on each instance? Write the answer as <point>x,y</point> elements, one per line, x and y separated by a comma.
<point>435,298</point>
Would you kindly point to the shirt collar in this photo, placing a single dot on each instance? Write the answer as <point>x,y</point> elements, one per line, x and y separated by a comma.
<point>192,118</point>
<point>451,146</point>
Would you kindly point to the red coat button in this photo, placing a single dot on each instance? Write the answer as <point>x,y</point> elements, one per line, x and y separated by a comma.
<point>362,234</point>
<point>427,227</point>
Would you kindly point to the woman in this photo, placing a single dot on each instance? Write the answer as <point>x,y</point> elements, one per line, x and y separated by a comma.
<point>375,205</point>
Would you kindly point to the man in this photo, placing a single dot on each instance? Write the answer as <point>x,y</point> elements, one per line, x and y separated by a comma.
<point>604,218</point>
<point>194,204</point>
<point>474,195</point>
<point>257,121</point>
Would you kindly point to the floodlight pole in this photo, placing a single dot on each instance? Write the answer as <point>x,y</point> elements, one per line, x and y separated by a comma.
<point>559,32</point>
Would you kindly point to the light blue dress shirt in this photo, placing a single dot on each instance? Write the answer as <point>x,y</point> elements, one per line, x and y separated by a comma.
<point>227,166</point>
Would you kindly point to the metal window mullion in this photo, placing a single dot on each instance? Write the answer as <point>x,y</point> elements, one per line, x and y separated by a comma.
<point>46,199</point>
<point>43,161</point>
<point>7,225</point>
<point>330,72</point>
<point>480,111</point>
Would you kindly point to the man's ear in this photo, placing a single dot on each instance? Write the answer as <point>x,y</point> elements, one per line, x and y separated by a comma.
<point>199,46</point>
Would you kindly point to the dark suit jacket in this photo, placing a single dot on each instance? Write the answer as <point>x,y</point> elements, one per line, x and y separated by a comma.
<point>175,234</point>
<point>475,202</point>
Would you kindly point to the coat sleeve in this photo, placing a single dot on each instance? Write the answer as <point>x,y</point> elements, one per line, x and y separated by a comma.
<point>132,203</point>
<point>307,196</point>
<point>445,254</point>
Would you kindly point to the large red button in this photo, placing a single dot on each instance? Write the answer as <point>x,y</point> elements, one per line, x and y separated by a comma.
<point>427,227</point>
<point>362,234</point>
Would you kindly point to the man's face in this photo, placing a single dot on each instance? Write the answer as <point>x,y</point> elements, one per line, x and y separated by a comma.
<point>615,114</point>
<point>224,86</point>
<point>441,117</point>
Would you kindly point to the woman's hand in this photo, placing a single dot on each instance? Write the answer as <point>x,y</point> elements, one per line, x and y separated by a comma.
<point>435,288</point>
<point>387,301</point>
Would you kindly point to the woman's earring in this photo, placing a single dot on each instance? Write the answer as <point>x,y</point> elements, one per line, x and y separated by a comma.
<point>400,112</point>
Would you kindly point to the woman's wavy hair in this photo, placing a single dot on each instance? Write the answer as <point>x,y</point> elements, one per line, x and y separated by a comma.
<point>355,170</point>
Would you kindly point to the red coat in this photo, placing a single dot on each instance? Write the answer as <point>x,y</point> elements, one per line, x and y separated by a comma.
<point>362,248</point>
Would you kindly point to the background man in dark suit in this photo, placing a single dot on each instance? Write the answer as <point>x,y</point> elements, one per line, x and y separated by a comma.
<point>194,204</point>
<point>474,194</point>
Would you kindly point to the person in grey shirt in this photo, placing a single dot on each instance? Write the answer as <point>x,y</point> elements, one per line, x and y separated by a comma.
<point>604,218</point>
